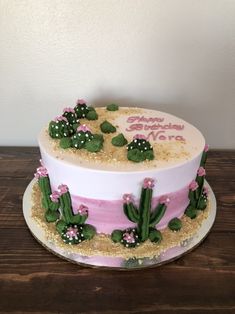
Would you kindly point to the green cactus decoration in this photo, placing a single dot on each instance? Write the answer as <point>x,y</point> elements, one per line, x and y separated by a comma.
<point>65,142</point>
<point>70,115</point>
<point>71,227</point>
<point>112,107</point>
<point>107,127</point>
<point>60,128</point>
<point>82,136</point>
<point>175,224</point>
<point>92,114</point>
<point>142,216</point>
<point>119,140</point>
<point>81,109</point>
<point>49,200</point>
<point>139,149</point>
<point>198,193</point>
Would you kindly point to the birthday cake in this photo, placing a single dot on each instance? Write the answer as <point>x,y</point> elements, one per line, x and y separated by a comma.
<point>119,181</point>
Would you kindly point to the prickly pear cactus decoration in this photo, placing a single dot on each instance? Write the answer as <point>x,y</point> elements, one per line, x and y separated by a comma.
<point>198,193</point>
<point>70,115</point>
<point>143,216</point>
<point>60,128</point>
<point>92,114</point>
<point>81,109</point>
<point>139,149</point>
<point>81,137</point>
<point>50,201</point>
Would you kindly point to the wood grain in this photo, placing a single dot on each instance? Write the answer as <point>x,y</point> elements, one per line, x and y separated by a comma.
<point>32,280</point>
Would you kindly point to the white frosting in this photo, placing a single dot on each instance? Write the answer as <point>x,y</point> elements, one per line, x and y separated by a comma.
<point>109,181</point>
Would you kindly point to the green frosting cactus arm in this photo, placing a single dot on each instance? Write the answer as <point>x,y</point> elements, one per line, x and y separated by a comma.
<point>49,200</point>
<point>157,214</point>
<point>129,208</point>
<point>66,207</point>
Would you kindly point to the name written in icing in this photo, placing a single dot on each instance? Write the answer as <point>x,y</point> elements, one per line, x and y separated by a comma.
<point>159,131</point>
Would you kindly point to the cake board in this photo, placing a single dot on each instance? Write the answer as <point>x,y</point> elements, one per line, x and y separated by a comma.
<point>119,263</point>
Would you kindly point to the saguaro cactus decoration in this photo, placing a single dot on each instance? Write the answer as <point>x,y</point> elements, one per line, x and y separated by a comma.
<point>72,227</point>
<point>144,217</point>
<point>49,200</point>
<point>198,193</point>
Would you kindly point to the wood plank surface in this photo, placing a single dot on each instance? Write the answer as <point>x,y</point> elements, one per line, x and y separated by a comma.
<point>32,280</point>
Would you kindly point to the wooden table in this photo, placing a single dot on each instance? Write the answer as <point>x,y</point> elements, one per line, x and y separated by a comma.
<point>32,280</point>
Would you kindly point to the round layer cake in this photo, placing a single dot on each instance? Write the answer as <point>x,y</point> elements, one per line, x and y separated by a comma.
<point>101,181</point>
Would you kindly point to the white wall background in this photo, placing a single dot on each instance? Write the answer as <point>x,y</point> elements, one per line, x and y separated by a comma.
<point>173,55</point>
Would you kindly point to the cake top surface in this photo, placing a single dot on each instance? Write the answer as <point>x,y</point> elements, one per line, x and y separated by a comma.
<point>173,141</point>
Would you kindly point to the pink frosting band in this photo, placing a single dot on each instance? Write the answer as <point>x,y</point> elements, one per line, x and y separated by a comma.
<point>108,215</point>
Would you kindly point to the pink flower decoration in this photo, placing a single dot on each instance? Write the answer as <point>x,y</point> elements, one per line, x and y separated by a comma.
<point>68,109</point>
<point>83,210</point>
<point>193,185</point>
<point>127,198</point>
<point>205,190</point>
<point>201,172</point>
<point>129,237</point>
<point>164,200</point>
<point>139,137</point>
<point>83,128</point>
<point>148,183</point>
<point>81,102</point>
<point>41,172</point>
<point>206,148</point>
<point>62,189</point>
<point>60,118</point>
<point>55,196</point>
<point>72,233</point>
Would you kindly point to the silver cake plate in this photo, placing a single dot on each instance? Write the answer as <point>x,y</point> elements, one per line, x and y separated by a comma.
<point>119,262</point>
